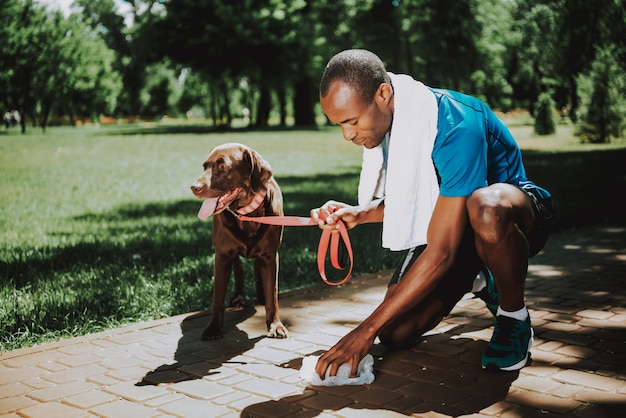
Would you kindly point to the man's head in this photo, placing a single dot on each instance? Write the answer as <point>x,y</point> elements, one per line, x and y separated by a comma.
<point>356,93</point>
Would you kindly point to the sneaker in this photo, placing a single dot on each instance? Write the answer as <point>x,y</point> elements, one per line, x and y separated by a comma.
<point>489,293</point>
<point>509,346</point>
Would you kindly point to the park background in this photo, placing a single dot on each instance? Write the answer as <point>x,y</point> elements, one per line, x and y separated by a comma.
<point>120,101</point>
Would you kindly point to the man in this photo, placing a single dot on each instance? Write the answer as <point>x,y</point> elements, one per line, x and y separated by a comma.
<point>446,178</point>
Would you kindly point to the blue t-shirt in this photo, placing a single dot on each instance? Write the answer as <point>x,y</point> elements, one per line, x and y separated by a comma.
<point>473,148</point>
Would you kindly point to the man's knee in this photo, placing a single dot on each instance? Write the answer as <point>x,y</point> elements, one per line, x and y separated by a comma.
<point>406,330</point>
<point>395,339</point>
<point>490,212</point>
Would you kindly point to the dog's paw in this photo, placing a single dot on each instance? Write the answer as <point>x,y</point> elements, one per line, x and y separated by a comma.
<point>277,330</point>
<point>237,303</point>
<point>211,332</point>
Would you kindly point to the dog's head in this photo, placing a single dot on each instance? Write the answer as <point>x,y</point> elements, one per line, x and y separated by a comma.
<point>232,173</point>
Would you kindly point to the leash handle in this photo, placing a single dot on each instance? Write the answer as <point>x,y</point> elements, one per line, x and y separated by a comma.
<point>329,241</point>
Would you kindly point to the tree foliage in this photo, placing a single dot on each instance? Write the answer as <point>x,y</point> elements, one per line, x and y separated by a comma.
<point>267,55</point>
<point>53,65</point>
<point>603,100</point>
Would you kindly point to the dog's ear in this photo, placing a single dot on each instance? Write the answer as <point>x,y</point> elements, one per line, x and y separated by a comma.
<point>260,170</point>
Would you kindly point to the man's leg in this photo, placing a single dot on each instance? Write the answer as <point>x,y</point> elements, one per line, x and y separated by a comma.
<point>406,330</point>
<point>501,216</point>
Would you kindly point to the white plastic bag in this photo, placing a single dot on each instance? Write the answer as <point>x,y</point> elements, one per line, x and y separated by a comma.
<point>365,373</point>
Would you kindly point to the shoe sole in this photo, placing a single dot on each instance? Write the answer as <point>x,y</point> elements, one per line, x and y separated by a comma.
<point>491,367</point>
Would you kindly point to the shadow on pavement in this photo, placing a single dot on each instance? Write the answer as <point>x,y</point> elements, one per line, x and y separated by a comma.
<point>195,358</point>
<point>412,381</point>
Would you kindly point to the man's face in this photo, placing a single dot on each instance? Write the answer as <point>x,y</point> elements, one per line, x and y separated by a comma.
<point>362,123</point>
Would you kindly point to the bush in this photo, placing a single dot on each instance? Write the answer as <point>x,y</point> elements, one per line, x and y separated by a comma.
<point>544,120</point>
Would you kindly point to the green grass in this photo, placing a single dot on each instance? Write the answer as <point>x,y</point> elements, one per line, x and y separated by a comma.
<point>98,226</point>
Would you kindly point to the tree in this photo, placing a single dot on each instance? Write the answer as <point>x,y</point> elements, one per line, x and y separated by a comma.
<point>53,63</point>
<point>230,41</point>
<point>585,26</point>
<point>602,97</point>
<point>135,45</point>
<point>533,48</point>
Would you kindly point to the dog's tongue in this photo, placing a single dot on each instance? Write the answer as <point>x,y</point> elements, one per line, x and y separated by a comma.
<point>208,207</point>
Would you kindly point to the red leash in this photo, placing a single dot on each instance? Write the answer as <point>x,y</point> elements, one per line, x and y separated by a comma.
<point>328,240</point>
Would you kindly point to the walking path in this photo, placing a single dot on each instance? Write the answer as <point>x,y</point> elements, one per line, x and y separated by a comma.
<point>575,292</point>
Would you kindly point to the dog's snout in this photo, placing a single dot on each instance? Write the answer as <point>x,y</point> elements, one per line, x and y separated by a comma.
<point>196,187</point>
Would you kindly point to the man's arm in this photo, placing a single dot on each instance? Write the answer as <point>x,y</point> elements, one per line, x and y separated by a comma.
<point>445,231</point>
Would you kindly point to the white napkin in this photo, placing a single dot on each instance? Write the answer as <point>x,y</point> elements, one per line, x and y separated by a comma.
<point>365,373</point>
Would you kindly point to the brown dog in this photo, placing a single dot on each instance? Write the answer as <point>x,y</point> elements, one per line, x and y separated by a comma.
<point>237,180</point>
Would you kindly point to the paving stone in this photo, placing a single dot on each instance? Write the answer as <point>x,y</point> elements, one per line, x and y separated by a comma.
<point>61,391</point>
<point>325,401</point>
<point>265,387</point>
<point>53,410</point>
<point>13,389</point>
<point>132,392</point>
<point>15,403</point>
<point>591,380</point>
<point>543,402</point>
<point>536,384</point>
<point>271,409</point>
<point>192,408</point>
<point>74,374</point>
<point>200,389</point>
<point>10,376</point>
<point>89,399</point>
<point>368,413</point>
<point>78,360</point>
<point>124,408</point>
<point>376,397</point>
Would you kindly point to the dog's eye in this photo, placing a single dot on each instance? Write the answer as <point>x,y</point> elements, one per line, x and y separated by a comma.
<point>220,164</point>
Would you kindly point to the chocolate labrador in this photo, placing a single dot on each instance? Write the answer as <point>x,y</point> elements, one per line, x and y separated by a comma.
<point>238,181</point>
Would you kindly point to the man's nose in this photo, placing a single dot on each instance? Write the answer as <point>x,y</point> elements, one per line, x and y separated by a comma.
<point>348,133</point>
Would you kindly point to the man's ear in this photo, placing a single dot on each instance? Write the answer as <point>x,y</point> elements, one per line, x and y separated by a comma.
<point>260,170</point>
<point>385,92</point>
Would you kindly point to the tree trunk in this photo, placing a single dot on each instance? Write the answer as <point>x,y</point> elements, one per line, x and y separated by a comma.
<point>282,103</point>
<point>264,106</point>
<point>303,102</point>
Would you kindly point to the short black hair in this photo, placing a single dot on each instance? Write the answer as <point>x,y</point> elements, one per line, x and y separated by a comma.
<point>360,69</point>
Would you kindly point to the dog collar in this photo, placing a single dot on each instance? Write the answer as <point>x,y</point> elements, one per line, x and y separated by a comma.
<point>256,202</point>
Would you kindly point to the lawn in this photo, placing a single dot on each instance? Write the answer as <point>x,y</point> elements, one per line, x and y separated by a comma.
<point>98,225</point>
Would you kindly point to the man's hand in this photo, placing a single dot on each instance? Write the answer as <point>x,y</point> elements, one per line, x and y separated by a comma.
<point>350,349</point>
<point>332,211</point>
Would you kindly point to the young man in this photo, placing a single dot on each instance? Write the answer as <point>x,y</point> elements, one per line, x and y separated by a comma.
<point>446,178</point>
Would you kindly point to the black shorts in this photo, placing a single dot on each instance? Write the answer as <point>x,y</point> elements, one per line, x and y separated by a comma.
<point>458,280</point>
<point>544,214</point>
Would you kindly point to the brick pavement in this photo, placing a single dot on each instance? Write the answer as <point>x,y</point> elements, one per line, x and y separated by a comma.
<point>575,292</point>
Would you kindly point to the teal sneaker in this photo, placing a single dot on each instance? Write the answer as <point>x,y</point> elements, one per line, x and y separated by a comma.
<point>489,294</point>
<point>509,346</point>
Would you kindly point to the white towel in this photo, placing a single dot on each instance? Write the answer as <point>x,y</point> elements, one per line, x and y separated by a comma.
<point>408,182</point>
<point>365,373</point>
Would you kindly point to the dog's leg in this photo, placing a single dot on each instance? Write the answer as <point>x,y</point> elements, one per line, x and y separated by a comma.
<point>260,289</point>
<point>222,271</point>
<point>238,301</point>
<point>267,270</point>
